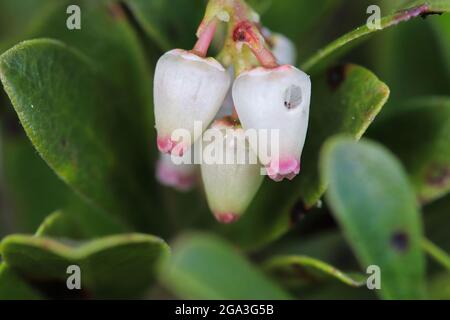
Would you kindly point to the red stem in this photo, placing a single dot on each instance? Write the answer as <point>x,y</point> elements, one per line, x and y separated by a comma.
<point>205,39</point>
<point>246,32</point>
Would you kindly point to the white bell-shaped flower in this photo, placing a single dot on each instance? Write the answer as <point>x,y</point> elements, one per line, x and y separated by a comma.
<point>187,88</point>
<point>171,171</point>
<point>283,49</point>
<point>230,171</point>
<point>276,100</point>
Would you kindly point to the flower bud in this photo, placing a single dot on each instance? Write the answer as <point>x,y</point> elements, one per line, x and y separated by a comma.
<point>232,179</point>
<point>181,176</point>
<point>275,99</point>
<point>283,49</point>
<point>187,88</point>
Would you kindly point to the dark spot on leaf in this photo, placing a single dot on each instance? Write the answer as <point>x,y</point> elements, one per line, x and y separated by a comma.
<point>400,241</point>
<point>438,176</point>
<point>336,75</point>
<point>63,142</point>
<point>298,212</point>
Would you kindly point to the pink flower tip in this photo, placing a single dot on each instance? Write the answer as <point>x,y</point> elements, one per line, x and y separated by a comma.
<point>285,168</point>
<point>226,218</point>
<point>169,176</point>
<point>167,145</point>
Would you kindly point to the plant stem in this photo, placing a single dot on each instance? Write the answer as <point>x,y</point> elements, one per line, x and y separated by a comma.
<point>436,253</point>
<point>247,33</point>
<point>205,38</point>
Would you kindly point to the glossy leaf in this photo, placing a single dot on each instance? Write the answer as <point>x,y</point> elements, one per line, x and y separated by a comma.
<point>419,134</point>
<point>372,200</point>
<point>412,9</point>
<point>206,267</point>
<point>346,99</point>
<point>111,267</point>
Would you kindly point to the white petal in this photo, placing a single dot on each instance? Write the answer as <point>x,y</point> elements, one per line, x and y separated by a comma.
<point>275,99</point>
<point>187,88</point>
<point>283,49</point>
<point>231,187</point>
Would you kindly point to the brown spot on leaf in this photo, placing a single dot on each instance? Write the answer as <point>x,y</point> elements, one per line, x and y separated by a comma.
<point>336,75</point>
<point>400,241</point>
<point>438,176</point>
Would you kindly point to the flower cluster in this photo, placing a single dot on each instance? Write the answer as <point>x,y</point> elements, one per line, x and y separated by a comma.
<point>267,93</point>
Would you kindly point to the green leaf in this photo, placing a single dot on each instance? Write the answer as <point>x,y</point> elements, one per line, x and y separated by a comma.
<point>419,134</point>
<point>418,73</point>
<point>339,46</point>
<point>16,17</point>
<point>442,30</point>
<point>76,133</point>
<point>295,19</point>
<point>107,38</point>
<point>346,99</point>
<point>375,206</point>
<point>12,287</point>
<point>111,267</point>
<point>292,267</point>
<point>59,225</point>
<point>169,23</point>
<point>439,287</point>
<point>78,221</point>
<point>206,267</point>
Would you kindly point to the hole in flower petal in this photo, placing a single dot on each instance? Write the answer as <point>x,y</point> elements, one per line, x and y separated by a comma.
<point>292,97</point>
